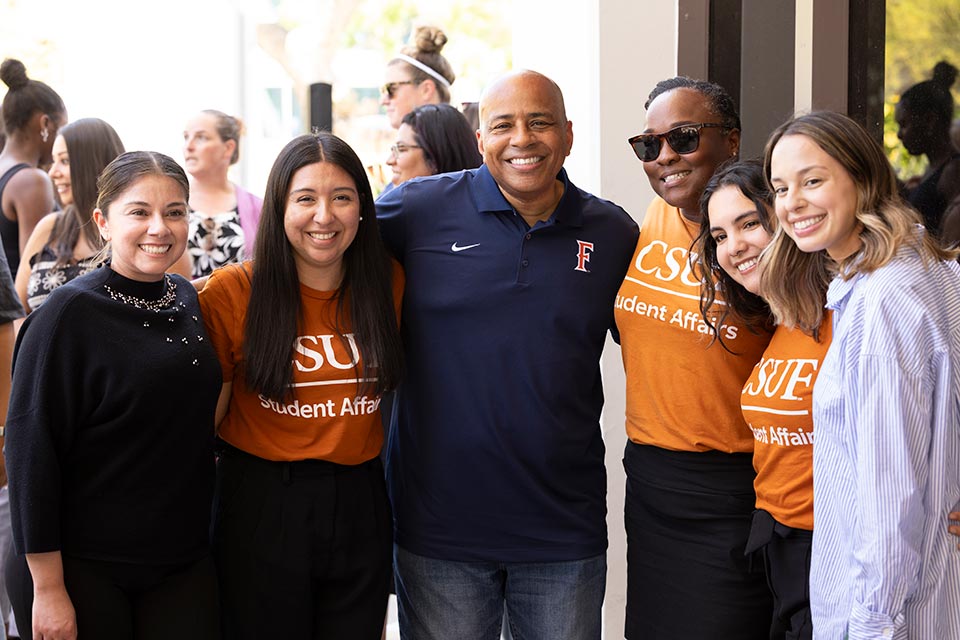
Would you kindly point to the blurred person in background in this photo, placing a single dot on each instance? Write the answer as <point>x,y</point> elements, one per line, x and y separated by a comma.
<point>418,75</point>
<point>432,139</point>
<point>32,115</point>
<point>65,244</point>
<point>223,215</point>
<point>924,115</point>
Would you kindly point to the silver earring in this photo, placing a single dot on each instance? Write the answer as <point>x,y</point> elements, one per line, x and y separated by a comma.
<point>44,134</point>
<point>361,217</point>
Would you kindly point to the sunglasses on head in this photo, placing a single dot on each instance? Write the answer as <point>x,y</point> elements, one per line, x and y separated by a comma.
<point>683,139</point>
<point>391,87</point>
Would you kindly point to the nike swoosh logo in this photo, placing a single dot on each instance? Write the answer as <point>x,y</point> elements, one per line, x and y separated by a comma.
<point>457,249</point>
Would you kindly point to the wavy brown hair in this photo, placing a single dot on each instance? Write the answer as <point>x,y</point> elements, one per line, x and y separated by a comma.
<point>791,279</point>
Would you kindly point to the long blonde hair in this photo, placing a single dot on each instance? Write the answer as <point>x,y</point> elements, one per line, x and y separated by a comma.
<point>793,281</point>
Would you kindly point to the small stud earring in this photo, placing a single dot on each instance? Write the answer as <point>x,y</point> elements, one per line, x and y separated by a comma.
<point>44,134</point>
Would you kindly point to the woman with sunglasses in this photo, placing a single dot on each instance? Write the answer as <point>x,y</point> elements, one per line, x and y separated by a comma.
<point>689,494</point>
<point>418,75</point>
<point>432,139</point>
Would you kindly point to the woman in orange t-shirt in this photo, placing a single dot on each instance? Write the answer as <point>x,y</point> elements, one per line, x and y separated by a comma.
<point>777,399</point>
<point>689,489</point>
<point>308,341</point>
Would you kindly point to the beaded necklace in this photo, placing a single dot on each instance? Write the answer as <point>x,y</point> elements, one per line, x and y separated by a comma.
<point>150,305</point>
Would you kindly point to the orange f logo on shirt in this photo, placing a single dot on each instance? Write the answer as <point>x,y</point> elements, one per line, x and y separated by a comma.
<point>584,249</point>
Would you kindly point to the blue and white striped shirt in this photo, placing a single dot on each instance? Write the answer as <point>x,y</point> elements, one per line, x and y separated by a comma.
<point>887,456</point>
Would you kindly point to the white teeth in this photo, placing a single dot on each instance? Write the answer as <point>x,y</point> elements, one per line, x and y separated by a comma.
<point>809,222</point>
<point>322,236</point>
<point>526,160</point>
<point>747,264</point>
<point>675,176</point>
<point>155,249</point>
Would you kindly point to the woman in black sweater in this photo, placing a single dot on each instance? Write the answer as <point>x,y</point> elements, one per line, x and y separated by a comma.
<point>110,430</point>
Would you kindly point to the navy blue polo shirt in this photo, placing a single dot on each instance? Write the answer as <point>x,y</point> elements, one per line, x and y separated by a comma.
<point>496,452</point>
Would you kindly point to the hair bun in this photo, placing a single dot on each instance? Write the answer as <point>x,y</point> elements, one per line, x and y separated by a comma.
<point>429,39</point>
<point>944,74</point>
<point>14,74</point>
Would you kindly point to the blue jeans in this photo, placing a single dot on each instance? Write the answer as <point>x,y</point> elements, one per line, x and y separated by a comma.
<point>443,599</point>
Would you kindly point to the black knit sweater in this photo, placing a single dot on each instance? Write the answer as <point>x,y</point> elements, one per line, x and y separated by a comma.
<point>109,443</point>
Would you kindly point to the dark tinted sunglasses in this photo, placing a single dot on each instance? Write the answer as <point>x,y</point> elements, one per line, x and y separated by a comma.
<point>683,139</point>
<point>391,87</point>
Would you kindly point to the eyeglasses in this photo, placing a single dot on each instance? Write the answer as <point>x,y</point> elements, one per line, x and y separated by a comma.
<point>391,87</point>
<point>398,148</point>
<point>683,139</point>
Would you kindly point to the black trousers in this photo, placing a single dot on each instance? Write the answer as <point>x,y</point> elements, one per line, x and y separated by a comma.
<point>303,549</point>
<point>786,559</point>
<point>124,601</point>
<point>687,518</point>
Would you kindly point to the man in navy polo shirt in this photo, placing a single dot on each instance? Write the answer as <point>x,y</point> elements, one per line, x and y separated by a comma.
<point>495,462</point>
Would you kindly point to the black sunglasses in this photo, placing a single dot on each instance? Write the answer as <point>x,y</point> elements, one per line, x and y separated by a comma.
<point>391,87</point>
<point>683,139</point>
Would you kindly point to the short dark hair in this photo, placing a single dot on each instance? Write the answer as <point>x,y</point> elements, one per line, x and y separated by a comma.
<point>91,145</point>
<point>718,100</point>
<point>364,298</point>
<point>445,137</point>
<point>26,97</point>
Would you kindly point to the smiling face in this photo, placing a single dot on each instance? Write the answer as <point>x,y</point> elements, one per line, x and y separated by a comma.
<point>147,227</point>
<point>321,219</point>
<point>681,179</point>
<point>60,171</point>
<point>737,231</point>
<point>525,138</point>
<point>205,153</point>
<point>410,159</point>
<point>816,199</point>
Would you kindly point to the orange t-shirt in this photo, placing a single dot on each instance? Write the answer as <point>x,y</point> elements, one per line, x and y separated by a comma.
<point>327,418</point>
<point>777,403</point>
<point>683,393</point>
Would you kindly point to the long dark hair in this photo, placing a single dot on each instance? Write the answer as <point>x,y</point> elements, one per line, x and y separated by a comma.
<point>445,137</point>
<point>747,177</point>
<point>91,145</point>
<point>274,314</point>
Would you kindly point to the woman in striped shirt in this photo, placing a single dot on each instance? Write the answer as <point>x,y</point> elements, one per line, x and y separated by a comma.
<point>887,399</point>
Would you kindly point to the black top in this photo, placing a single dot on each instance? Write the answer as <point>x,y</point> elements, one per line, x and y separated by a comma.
<point>10,229</point>
<point>926,198</point>
<point>110,429</point>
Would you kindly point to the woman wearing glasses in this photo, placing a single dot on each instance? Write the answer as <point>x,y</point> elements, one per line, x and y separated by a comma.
<point>418,75</point>
<point>432,139</point>
<point>689,495</point>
